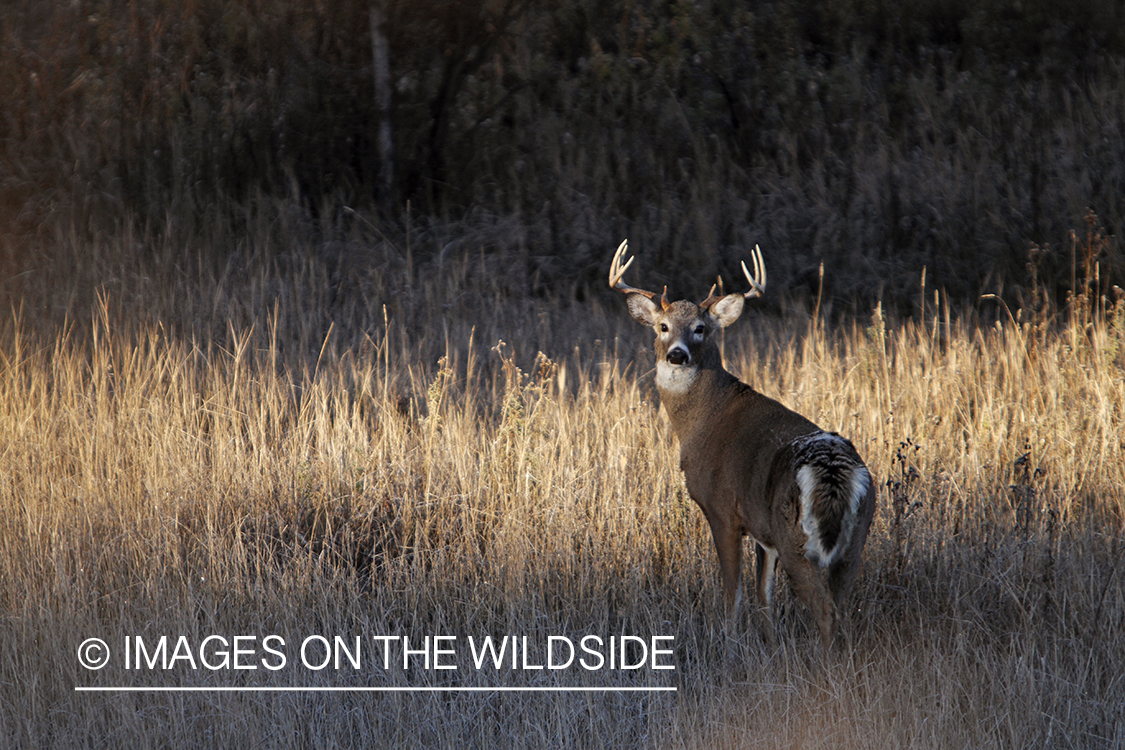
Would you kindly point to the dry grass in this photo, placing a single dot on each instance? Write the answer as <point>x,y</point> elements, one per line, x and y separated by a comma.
<point>254,448</point>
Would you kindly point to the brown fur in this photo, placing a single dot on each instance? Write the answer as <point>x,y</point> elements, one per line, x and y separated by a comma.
<point>741,453</point>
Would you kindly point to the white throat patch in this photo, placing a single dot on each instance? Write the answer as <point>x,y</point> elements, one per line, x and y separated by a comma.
<point>675,379</point>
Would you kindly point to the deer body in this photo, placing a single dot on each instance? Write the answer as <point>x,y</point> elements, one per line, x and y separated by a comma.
<point>755,467</point>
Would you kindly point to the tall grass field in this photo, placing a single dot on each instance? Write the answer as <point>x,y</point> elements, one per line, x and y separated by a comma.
<point>446,462</point>
<point>320,428</point>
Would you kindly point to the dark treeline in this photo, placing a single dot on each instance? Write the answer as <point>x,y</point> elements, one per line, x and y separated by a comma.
<point>875,137</point>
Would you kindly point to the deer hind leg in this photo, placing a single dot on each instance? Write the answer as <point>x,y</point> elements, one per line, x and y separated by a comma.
<point>840,577</point>
<point>842,573</point>
<point>808,584</point>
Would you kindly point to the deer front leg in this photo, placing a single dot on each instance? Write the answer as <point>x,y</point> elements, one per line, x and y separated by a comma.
<point>728,543</point>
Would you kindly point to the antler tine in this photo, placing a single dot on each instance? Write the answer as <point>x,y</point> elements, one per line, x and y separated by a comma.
<point>617,270</point>
<point>711,296</point>
<point>758,280</point>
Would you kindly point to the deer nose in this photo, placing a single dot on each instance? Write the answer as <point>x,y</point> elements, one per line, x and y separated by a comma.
<point>678,356</point>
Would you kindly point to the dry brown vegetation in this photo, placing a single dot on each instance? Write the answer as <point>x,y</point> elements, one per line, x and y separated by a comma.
<point>206,450</point>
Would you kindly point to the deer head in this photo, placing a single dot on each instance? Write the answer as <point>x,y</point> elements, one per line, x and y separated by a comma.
<point>685,330</point>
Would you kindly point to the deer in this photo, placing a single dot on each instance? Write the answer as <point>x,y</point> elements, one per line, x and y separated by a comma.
<point>753,466</point>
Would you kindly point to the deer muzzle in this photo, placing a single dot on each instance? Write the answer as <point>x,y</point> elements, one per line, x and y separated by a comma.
<point>677,355</point>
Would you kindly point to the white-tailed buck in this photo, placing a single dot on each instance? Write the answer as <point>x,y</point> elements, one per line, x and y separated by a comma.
<point>755,467</point>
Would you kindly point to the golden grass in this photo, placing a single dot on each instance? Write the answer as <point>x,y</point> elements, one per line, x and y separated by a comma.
<point>266,471</point>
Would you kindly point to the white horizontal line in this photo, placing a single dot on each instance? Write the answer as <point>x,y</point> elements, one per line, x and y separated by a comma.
<point>330,689</point>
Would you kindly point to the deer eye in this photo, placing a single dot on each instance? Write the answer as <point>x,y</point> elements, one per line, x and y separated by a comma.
<point>700,330</point>
<point>664,328</point>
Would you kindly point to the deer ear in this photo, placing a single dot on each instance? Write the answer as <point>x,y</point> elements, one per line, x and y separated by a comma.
<point>642,309</point>
<point>727,309</point>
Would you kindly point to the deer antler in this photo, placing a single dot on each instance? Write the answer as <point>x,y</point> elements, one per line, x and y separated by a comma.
<point>757,281</point>
<point>617,270</point>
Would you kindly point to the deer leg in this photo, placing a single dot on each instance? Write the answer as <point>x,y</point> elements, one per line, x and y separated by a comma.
<point>809,586</point>
<point>842,574</point>
<point>728,543</point>
<point>766,567</point>
<point>840,577</point>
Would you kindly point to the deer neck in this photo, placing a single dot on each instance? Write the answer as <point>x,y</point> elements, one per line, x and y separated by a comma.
<point>693,395</point>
